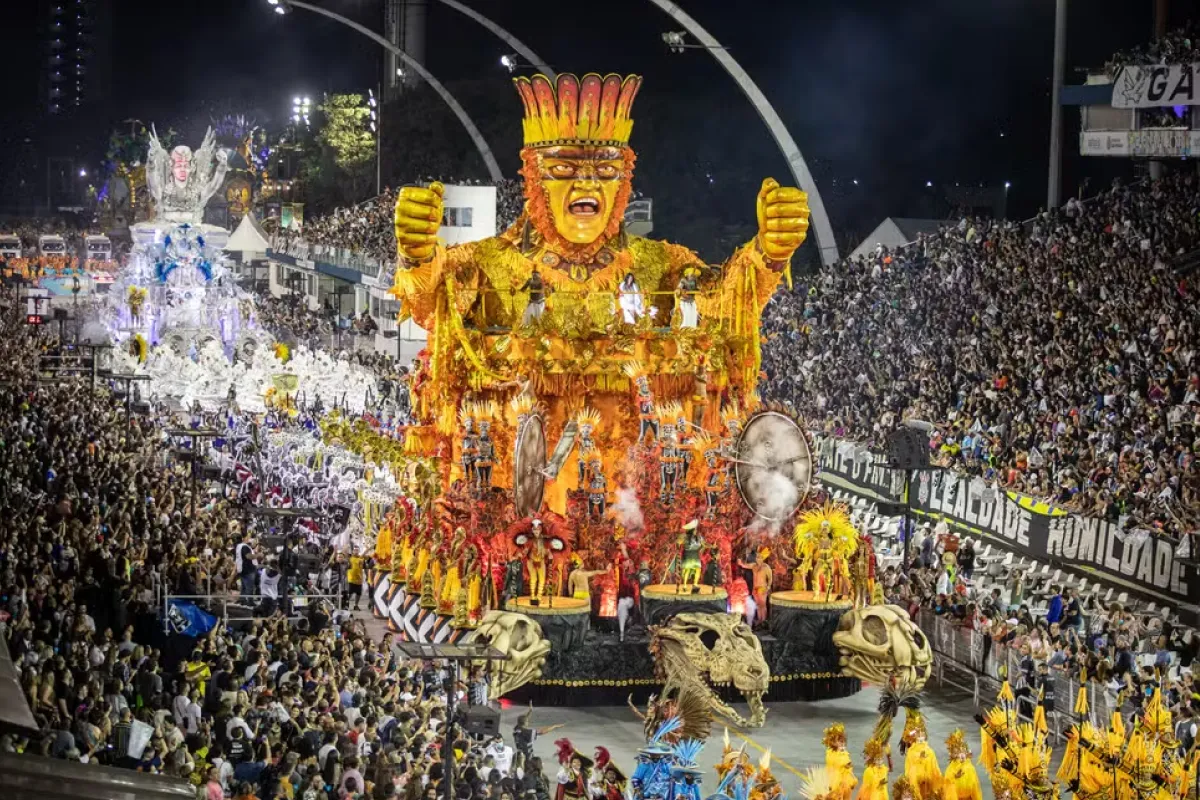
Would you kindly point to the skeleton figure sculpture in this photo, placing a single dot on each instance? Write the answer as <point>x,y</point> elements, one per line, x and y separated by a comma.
<point>181,182</point>
<point>880,644</point>
<point>521,639</point>
<point>688,664</point>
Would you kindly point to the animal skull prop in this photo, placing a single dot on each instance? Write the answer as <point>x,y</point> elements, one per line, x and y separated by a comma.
<point>879,643</point>
<point>695,651</point>
<point>521,639</point>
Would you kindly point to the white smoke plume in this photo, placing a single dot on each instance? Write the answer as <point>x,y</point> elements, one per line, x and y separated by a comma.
<point>778,497</point>
<point>627,510</point>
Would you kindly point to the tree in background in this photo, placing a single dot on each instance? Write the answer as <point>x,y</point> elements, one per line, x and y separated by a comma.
<point>348,144</point>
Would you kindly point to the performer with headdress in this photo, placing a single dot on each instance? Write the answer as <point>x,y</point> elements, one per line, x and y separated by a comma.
<point>670,461</point>
<point>608,780</point>
<point>961,781</point>
<point>469,451</point>
<point>904,789</point>
<point>597,489</point>
<point>647,415</point>
<point>838,763</point>
<point>686,774</point>
<point>687,555</point>
<point>486,450</point>
<point>588,420</point>
<point>574,774</point>
<point>874,784</point>
<point>920,762</point>
<point>718,483</point>
<point>685,439</point>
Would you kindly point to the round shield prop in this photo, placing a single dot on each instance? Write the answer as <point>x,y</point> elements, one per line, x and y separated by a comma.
<point>529,462</point>
<point>774,466</point>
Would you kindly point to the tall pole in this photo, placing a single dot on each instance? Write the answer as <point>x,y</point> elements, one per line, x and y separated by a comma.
<point>1054,180</point>
<point>378,150</point>
<point>821,229</point>
<point>908,526</point>
<point>481,144</point>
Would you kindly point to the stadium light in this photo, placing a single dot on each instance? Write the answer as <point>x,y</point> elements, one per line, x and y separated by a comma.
<point>83,173</point>
<point>509,61</point>
<point>856,181</point>
<point>1007,185</point>
<point>281,10</point>
<point>272,2</point>
<point>675,41</point>
<point>928,184</point>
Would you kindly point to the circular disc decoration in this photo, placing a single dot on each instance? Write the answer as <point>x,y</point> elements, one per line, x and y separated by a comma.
<point>529,459</point>
<point>774,466</point>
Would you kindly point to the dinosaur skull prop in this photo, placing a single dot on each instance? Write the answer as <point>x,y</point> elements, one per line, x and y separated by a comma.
<point>878,643</point>
<point>521,639</point>
<point>694,652</point>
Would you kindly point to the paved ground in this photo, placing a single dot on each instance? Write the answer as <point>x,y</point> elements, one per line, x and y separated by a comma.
<point>792,733</point>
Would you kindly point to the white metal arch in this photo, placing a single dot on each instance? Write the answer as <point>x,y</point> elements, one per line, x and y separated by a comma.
<point>821,229</point>
<point>480,143</point>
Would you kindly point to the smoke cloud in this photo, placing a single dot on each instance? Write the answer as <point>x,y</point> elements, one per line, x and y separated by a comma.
<point>778,497</point>
<point>627,510</point>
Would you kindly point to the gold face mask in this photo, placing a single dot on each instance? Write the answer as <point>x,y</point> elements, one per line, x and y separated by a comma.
<point>581,185</point>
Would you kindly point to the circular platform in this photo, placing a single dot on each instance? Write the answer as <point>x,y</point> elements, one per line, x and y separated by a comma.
<point>564,620</point>
<point>550,605</point>
<point>809,600</point>
<point>661,601</point>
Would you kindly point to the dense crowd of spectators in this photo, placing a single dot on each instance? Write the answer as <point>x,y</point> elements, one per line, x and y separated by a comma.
<point>367,229</point>
<point>1043,636</point>
<point>97,521</point>
<point>1179,46</point>
<point>1056,358</point>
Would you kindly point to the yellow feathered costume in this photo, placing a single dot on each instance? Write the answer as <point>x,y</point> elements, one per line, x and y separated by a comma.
<point>824,540</point>
<point>874,784</point>
<point>961,781</point>
<point>920,762</point>
<point>837,761</point>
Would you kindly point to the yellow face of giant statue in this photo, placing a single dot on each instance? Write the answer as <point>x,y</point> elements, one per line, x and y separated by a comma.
<point>581,184</point>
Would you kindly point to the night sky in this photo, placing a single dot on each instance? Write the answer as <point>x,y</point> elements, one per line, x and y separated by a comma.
<point>891,94</point>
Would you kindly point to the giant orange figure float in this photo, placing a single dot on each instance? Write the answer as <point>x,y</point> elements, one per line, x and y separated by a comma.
<point>570,256</point>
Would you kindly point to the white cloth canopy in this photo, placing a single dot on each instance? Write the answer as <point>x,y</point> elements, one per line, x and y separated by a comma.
<point>249,237</point>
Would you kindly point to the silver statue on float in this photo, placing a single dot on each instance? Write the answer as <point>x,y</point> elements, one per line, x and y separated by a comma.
<point>176,287</point>
<point>181,182</point>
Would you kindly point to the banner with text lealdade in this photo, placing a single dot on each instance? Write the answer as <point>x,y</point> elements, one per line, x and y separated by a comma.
<point>1017,522</point>
<point>1156,85</point>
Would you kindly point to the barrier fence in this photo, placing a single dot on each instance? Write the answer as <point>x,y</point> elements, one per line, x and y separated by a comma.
<point>971,661</point>
<point>210,602</point>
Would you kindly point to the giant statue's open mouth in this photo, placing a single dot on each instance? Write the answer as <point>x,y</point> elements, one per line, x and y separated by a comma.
<point>584,207</point>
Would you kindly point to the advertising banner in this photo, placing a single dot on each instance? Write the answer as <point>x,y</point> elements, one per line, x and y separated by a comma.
<point>1155,85</point>
<point>1020,523</point>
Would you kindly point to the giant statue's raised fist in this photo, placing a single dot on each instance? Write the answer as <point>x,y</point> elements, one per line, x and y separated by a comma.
<point>782,219</point>
<point>418,217</point>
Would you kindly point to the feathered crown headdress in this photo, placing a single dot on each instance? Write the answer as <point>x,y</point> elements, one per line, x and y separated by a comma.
<point>634,370</point>
<point>468,414</point>
<point>914,727</point>
<point>731,413</point>
<point>588,416</point>
<point>578,111</point>
<point>485,411</point>
<point>668,412</point>
<point>873,752</point>
<point>956,745</point>
<point>835,736</point>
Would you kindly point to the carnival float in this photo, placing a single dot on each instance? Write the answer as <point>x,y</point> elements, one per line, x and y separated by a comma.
<point>594,486</point>
<point>177,314</point>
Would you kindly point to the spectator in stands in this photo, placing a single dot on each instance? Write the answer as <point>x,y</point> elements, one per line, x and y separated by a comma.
<point>1054,608</point>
